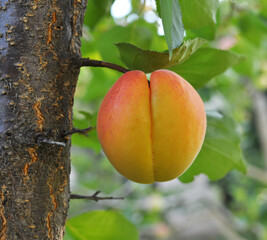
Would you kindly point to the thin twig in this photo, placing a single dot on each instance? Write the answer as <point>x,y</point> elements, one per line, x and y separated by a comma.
<point>77,130</point>
<point>83,62</point>
<point>94,197</point>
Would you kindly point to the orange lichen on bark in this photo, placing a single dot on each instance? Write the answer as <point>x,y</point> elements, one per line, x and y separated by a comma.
<point>34,159</point>
<point>43,63</point>
<point>61,168</point>
<point>2,216</point>
<point>65,182</point>
<point>60,116</point>
<point>26,169</point>
<point>50,28</point>
<point>76,13</point>
<point>53,198</point>
<point>67,84</point>
<point>33,154</point>
<point>70,116</point>
<point>49,224</point>
<point>38,114</point>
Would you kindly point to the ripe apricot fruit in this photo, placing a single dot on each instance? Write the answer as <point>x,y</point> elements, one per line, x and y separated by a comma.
<point>151,132</point>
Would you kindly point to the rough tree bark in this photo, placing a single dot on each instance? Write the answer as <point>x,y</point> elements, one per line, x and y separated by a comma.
<point>38,40</point>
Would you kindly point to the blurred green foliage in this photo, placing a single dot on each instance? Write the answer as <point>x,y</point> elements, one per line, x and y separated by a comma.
<point>232,28</point>
<point>101,225</point>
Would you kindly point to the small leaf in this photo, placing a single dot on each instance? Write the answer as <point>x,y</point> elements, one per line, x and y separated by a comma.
<point>220,152</point>
<point>148,61</point>
<point>87,115</point>
<point>172,24</point>
<point>101,225</point>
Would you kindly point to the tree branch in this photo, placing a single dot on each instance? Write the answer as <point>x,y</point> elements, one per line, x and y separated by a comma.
<point>77,130</point>
<point>83,62</point>
<point>94,197</point>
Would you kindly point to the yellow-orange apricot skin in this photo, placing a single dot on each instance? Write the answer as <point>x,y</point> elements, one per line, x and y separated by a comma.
<point>124,127</point>
<point>151,133</point>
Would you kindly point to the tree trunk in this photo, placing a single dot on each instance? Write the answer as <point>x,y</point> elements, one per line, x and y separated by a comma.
<point>38,40</point>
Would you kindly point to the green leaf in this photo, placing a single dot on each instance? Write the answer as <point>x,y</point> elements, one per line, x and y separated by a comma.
<point>101,225</point>
<point>88,116</point>
<point>158,8</point>
<point>207,32</point>
<point>220,152</point>
<point>198,13</point>
<point>172,24</point>
<point>205,64</point>
<point>148,61</point>
<point>139,33</point>
<point>96,10</point>
<point>253,28</point>
<point>200,17</point>
<point>90,141</point>
<point>197,65</point>
<point>252,63</point>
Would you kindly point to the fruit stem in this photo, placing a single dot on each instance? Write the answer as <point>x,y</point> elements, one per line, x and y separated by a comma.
<point>76,130</point>
<point>87,62</point>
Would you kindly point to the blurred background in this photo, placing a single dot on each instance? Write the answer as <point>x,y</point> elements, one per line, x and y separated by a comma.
<point>234,207</point>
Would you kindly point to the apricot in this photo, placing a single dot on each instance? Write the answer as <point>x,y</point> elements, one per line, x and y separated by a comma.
<point>151,132</point>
